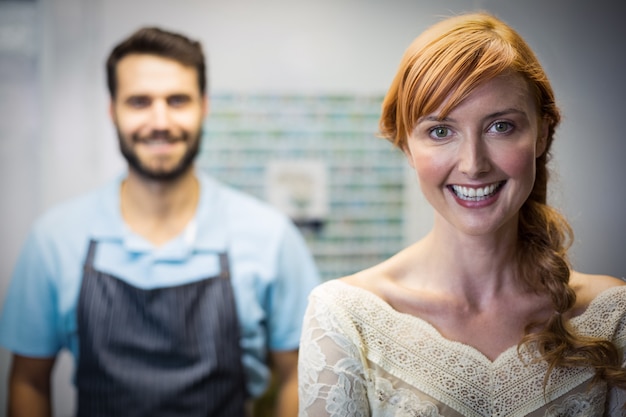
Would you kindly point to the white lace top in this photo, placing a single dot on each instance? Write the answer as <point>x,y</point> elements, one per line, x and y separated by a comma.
<point>360,357</point>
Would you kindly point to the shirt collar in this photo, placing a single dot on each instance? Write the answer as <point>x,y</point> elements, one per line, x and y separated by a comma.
<point>207,231</point>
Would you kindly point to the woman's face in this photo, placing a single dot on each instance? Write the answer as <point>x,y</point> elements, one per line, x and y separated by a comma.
<point>476,166</point>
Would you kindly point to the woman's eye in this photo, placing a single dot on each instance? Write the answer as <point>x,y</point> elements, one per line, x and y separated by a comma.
<point>440,132</point>
<point>501,127</point>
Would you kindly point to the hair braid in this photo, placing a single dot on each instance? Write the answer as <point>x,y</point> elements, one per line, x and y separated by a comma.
<point>545,236</point>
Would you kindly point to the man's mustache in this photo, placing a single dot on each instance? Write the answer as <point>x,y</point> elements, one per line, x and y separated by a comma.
<point>160,135</point>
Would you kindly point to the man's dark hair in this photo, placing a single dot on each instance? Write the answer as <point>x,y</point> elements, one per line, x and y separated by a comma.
<point>155,41</point>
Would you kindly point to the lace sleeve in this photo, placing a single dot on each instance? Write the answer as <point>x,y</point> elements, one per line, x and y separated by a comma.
<point>330,370</point>
<point>616,403</point>
<point>616,400</point>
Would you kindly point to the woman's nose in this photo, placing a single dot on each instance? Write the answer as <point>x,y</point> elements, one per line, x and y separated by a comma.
<point>473,157</point>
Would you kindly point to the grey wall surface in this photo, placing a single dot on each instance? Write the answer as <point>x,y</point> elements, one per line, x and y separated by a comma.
<point>56,140</point>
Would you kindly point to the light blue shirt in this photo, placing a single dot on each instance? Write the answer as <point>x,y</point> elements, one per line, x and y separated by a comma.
<point>272,270</point>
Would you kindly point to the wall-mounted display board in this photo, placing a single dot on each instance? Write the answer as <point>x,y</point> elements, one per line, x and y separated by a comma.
<point>263,144</point>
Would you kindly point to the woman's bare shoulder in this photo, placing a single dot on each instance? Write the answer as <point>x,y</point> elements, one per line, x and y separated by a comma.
<point>367,279</point>
<point>589,286</point>
<point>380,277</point>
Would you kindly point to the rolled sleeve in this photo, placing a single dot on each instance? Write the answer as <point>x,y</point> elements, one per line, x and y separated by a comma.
<point>30,319</point>
<point>297,275</point>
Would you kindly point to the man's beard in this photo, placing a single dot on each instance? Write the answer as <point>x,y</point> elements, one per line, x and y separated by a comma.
<point>161,174</point>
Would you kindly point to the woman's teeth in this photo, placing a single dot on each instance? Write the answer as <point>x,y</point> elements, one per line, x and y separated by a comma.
<point>475,194</point>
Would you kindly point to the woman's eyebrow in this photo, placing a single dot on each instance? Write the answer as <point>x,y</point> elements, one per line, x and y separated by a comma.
<point>511,110</point>
<point>500,113</point>
<point>433,118</point>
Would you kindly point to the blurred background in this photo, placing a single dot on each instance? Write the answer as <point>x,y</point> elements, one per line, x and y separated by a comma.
<point>295,90</point>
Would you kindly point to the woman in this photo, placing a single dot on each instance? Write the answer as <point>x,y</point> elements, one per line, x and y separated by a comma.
<point>483,316</point>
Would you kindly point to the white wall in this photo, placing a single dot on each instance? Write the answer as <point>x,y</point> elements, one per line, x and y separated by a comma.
<point>20,170</point>
<point>297,46</point>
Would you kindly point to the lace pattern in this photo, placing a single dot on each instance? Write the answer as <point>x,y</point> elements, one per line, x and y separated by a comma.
<point>579,405</point>
<point>352,363</point>
<point>616,403</point>
<point>400,402</point>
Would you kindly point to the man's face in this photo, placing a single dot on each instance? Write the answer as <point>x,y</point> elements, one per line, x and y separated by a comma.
<point>158,113</point>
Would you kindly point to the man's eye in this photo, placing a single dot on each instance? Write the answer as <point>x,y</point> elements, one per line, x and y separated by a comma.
<point>177,101</point>
<point>138,102</point>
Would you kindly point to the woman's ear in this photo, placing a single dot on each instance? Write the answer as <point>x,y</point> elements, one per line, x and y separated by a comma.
<point>542,137</point>
<point>407,153</point>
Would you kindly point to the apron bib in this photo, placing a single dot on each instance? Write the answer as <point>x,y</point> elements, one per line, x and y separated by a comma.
<point>171,351</point>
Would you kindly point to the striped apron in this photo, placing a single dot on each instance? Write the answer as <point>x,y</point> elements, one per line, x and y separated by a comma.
<point>170,351</point>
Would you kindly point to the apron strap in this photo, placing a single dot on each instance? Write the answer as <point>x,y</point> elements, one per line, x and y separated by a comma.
<point>91,253</point>
<point>224,266</point>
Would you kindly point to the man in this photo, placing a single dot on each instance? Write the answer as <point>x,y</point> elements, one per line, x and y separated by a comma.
<point>176,294</point>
